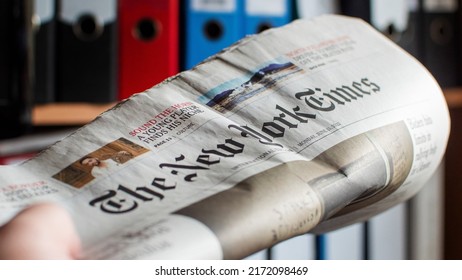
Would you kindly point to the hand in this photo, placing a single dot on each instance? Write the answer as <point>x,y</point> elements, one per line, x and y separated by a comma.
<point>43,231</point>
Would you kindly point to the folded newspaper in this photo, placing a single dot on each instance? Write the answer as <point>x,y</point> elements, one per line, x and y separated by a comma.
<point>309,127</point>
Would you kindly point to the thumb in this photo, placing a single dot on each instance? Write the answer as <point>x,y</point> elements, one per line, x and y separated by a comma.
<point>43,231</point>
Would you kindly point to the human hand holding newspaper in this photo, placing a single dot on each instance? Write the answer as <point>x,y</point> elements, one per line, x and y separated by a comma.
<point>309,127</point>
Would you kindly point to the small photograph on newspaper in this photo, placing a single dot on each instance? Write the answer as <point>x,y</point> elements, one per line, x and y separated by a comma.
<point>99,163</point>
<point>229,95</point>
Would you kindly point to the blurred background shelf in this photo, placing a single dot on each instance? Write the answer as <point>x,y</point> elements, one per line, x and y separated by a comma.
<point>79,75</point>
<point>67,114</point>
<point>453,97</point>
<point>75,114</point>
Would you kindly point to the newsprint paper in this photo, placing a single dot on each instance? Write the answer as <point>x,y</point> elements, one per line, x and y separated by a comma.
<point>309,127</point>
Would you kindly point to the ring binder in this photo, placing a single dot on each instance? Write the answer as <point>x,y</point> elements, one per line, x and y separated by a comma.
<point>260,15</point>
<point>86,51</point>
<point>148,44</point>
<point>209,27</point>
<point>44,54</point>
<point>16,67</point>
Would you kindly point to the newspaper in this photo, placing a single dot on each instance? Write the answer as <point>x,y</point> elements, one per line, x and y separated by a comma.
<point>308,127</point>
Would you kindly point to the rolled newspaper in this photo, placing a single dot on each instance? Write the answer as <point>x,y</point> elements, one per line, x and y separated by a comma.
<point>309,127</point>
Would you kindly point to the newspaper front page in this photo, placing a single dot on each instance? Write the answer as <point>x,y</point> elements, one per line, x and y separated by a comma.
<point>308,127</point>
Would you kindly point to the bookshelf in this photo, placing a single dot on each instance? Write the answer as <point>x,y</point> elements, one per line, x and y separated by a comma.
<point>453,97</point>
<point>72,114</point>
<point>453,178</point>
<point>59,115</point>
<point>67,114</point>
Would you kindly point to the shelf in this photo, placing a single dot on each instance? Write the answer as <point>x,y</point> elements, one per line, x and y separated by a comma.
<point>453,97</point>
<point>75,114</point>
<point>67,114</point>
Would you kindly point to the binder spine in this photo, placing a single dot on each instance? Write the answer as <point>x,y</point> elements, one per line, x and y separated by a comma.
<point>440,40</point>
<point>309,9</point>
<point>16,69</point>
<point>148,44</point>
<point>86,62</point>
<point>209,27</point>
<point>261,15</point>
<point>356,8</point>
<point>44,54</point>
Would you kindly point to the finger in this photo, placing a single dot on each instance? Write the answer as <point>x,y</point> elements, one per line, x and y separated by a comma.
<point>43,231</point>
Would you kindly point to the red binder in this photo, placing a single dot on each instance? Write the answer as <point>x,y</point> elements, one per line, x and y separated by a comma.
<point>148,43</point>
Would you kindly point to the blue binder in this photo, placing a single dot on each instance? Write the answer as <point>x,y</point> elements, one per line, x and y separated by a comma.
<point>209,26</point>
<point>260,15</point>
<point>321,247</point>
